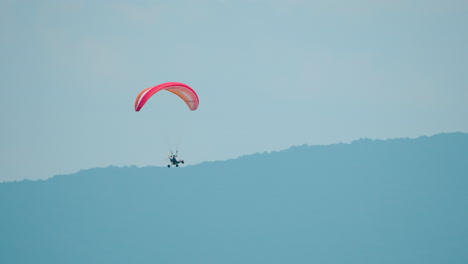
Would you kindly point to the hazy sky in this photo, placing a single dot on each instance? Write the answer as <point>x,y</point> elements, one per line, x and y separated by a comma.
<point>270,74</point>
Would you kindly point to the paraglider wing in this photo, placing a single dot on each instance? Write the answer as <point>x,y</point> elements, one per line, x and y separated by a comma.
<point>184,91</point>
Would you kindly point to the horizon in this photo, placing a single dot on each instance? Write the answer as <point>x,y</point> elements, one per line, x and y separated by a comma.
<point>359,140</point>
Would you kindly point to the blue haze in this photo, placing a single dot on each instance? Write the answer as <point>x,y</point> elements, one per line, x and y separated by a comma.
<point>371,201</point>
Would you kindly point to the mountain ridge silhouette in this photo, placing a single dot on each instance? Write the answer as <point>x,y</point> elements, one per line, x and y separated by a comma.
<point>369,201</point>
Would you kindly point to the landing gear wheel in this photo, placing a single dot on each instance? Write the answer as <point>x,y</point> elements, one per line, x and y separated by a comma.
<point>168,166</point>
<point>177,165</point>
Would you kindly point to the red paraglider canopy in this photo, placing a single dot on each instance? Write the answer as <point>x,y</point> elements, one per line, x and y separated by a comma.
<point>182,90</point>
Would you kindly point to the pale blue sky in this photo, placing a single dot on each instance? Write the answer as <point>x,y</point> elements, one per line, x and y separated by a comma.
<point>270,74</point>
